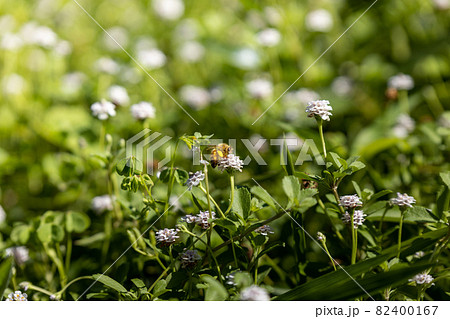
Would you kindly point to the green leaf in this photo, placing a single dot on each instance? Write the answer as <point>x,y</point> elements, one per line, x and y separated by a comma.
<point>87,241</point>
<point>109,282</point>
<point>20,234</point>
<point>291,187</point>
<point>357,188</point>
<point>5,273</point>
<point>226,223</point>
<point>160,288</point>
<point>445,178</point>
<point>215,290</point>
<point>181,176</point>
<point>442,202</point>
<point>263,195</point>
<point>165,175</point>
<point>336,160</point>
<point>126,166</point>
<point>77,222</point>
<point>48,233</point>
<point>242,202</point>
<point>419,214</point>
<point>356,166</point>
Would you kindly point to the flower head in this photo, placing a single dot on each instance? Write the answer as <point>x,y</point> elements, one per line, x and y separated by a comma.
<point>103,109</point>
<point>319,21</point>
<point>255,293</point>
<point>419,254</point>
<point>231,163</point>
<point>320,108</point>
<point>20,254</point>
<point>189,219</point>
<point>194,179</point>
<point>358,218</point>
<point>260,88</point>
<point>102,203</point>
<point>401,82</point>
<point>167,236</point>
<point>350,201</point>
<point>264,230</point>
<point>168,9</point>
<point>423,278</point>
<point>142,110</point>
<point>152,58</point>
<point>404,126</point>
<point>321,237</point>
<point>268,37</point>
<point>403,200</point>
<point>190,258</point>
<point>118,95</point>
<point>196,97</point>
<point>202,219</point>
<point>17,296</point>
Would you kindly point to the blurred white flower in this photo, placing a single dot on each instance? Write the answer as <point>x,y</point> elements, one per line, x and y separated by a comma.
<point>442,4</point>
<point>319,21</point>
<point>71,83</point>
<point>63,48</point>
<point>11,42</point>
<point>196,97</point>
<point>117,33</point>
<point>168,9</point>
<point>401,82</point>
<point>273,16</point>
<point>167,236</point>
<point>107,65</point>
<point>152,58</point>
<point>194,179</point>
<point>17,296</point>
<point>419,254</point>
<point>320,108</point>
<point>118,95</point>
<point>186,30</point>
<point>2,215</point>
<point>422,278</point>
<point>245,59</point>
<point>231,163</point>
<point>143,110</point>
<point>404,126</point>
<point>20,254</point>
<point>260,88</point>
<point>191,51</point>
<point>103,109</point>
<point>7,23</point>
<point>216,94</point>
<point>255,293</point>
<point>13,84</point>
<point>350,201</point>
<point>189,258</point>
<point>342,85</point>
<point>264,230</point>
<point>403,200</point>
<point>35,34</point>
<point>269,37</point>
<point>102,203</point>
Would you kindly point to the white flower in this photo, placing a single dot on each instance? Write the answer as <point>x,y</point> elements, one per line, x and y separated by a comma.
<point>119,34</point>
<point>107,65</point>
<point>319,21</point>
<point>358,218</point>
<point>246,59</point>
<point>320,236</point>
<point>13,84</point>
<point>231,163</point>
<point>11,42</point>
<point>63,48</point>
<point>118,95</point>
<point>422,278</point>
<point>102,203</point>
<point>32,33</point>
<point>103,109</point>
<point>320,108</point>
<point>401,82</point>
<point>350,201</point>
<point>268,37</point>
<point>152,58</point>
<point>2,215</point>
<point>346,218</point>
<point>191,51</point>
<point>17,296</point>
<point>264,230</point>
<point>143,110</point>
<point>20,254</point>
<point>167,236</point>
<point>405,125</point>
<point>442,4</point>
<point>189,219</point>
<point>194,179</point>
<point>260,88</point>
<point>342,85</point>
<point>419,254</point>
<point>190,258</point>
<point>403,200</point>
<point>202,218</point>
<point>196,97</point>
<point>168,9</point>
<point>255,293</point>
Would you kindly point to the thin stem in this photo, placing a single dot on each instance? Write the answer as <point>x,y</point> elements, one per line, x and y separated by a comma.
<point>354,239</point>
<point>212,200</point>
<point>336,196</point>
<point>208,196</point>
<point>399,245</point>
<point>42,290</point>
<point>322,139</point>
<point>231,194</point>
<point>321,204</point>
<point>329,255</point>
<point>68,251</point>
<point>102,136</point>
<point>70,283</point>
<point>256,266</point>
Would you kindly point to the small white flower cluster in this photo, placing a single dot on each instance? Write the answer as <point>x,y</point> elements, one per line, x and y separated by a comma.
<point>401,82</point>
<point>118,95</point>
<point>321,237</point>
<point>142,110</point>
<point>151,58</point>
<point>102,203</point>
<point>255,293</point>
<point>419,254</point>
<point>320,108</point>
<point>358,218</point>
<point>20,254</point>
<point>103,109</point>
<point>269,37</point>
<point>350,201</point>
<point>168,9</point>
<point>264,230</point>
<point>403,200</point>
<point>107,65</point>
<point>231,163</point>
<point>422,278</point>
<point>190,258</point>
<point>260,88</point>
<point>167,236</point>
<point>404,126</point>
<point>17,296</point>
<point>201,219</point>
<point>194,179</point>
<point>196,97</point>
<point>246,59</point>
<point>319,21</point>
<point>191,51</point>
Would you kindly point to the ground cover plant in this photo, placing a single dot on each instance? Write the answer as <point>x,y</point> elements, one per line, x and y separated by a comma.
<point>226,150</point>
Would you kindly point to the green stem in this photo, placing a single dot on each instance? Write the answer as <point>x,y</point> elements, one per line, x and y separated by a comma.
<point>333,226</point>
<point>329,255</point>
<point>68,251</point>
<point>336,196</point>
<point>322,139</point>
<point>399,245</point>
<point>59,293</point>
<point>102,136</point>
<point>205,170</point>
<point>222,215</point>
<point>42,290</point>
<point>60,265</point>
<point>354,239</point>
<point>231,194</point>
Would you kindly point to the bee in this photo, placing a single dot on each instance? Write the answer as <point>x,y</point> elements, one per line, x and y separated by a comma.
<point>218,152</point>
